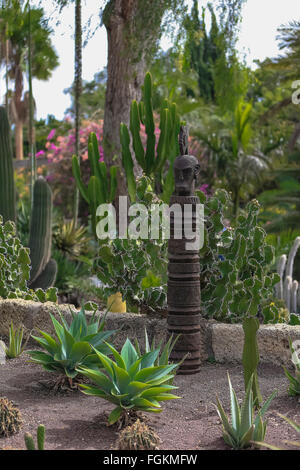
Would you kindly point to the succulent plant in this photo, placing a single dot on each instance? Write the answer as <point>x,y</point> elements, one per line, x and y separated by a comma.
<point>15,268</point>
<point>155,161</point>
<point>288,289</point>
<point>43,268</point>
<point>10,418</point>
<point>15,346</point>
<point>7,186</point>
<point>101,187</point>
<point>73,346</point>
<point>134,381</point>
<point>29,442</point>
<point>244,430</point>
<point>294,388</point>
<point>138,436</point>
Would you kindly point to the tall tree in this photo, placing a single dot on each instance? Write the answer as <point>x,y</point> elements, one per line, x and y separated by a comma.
<point>15,28</point>
<point>133,30</point>
<point>78,91</point>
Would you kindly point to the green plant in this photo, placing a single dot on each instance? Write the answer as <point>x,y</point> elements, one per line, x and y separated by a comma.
<point>7,187</point>
<point>40,434</point>
<point>244,430</point>
<point>287,289</point>
<point>294,425</point>
<point>15,347</point>
<point>100,189</point>
<point>155,160</point>
<point>73,346</point>
<point>239,285</point>
<point>43,269</point>
<point>71,240</point>
<point>15,268</point>
<point>10,418</point>
<point>138,436</point>
<point>133,382</point>
<point>294,388</point>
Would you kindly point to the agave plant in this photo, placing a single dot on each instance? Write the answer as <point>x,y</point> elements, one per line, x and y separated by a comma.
<point>294,388</point>
<point>71,240</point>
<point>244,430</point>
<point>134,381</point>
<point>73,346</point>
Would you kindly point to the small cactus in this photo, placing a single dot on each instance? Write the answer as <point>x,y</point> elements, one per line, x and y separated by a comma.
<point>10,418</point>
<point>29,442</point>
<point>138,436</point>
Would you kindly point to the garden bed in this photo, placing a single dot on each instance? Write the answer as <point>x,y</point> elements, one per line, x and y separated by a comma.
<point>76,421</point>
<point>223,342</point>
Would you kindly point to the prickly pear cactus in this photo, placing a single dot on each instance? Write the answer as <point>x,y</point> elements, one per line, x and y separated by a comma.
<point>15,268</point>
<point>236,262</point>
<point>136,268</point>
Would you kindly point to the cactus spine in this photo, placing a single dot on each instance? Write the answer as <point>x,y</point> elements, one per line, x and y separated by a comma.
<point>100,189</point>
<point>43,269</point>
<point>251,356</point>
<point>152,163</point>
<point>7,186</point>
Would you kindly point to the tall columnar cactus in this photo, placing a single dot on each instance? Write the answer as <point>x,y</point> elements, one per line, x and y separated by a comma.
<point>251,356</point>
<point>7,186</point>
<point>43,268</point>
<point>100,189</point>
<point>40,434</point>
<point>153,160</point>
<point>288,289</point>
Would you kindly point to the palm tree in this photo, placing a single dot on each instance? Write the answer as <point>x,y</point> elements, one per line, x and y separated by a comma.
<point>14,28</point>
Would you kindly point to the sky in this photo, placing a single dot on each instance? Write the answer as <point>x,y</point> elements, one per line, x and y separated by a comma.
<point>257,39</point>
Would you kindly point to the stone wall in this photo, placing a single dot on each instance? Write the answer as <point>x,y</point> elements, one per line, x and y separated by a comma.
<point>222,341</point>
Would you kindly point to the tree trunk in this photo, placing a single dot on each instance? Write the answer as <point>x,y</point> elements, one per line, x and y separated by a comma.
<point>133,28</point>
<point>78,91</point>
<point>19,140</point>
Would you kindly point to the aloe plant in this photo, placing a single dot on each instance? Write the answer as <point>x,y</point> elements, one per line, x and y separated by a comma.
<point>15,347</point>
<point>73,346</point>
<point>244,430</point>
<point>133,381</point>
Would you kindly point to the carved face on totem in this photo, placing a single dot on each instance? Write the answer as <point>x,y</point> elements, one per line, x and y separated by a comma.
<point>186,171</point>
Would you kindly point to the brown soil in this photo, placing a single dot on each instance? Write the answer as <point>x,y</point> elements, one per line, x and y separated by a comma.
<point>76,421</point>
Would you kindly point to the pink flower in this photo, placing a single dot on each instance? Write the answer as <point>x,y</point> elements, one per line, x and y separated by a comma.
<point>51,134</point>
<point>40,153</point>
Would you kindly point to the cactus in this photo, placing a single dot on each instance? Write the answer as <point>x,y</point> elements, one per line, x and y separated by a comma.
<point>29,442</point>
<point>43,270</point>
<point>10,418</point>
<point>251,356</point>
<point>153,163</point>
<point>287,288</point>
<point>100,189</point>
<point>138,436</point>
<point>234,268</point>
<point>7,186</point>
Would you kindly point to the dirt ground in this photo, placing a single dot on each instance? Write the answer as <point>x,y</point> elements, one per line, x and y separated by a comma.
<point>76,421</point>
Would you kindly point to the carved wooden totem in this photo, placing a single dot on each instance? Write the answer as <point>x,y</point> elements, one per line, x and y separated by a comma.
<point>184,268</point>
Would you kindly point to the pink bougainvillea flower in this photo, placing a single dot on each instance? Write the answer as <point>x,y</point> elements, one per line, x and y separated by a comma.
<point>40,153</point>
<point>51,134</point>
